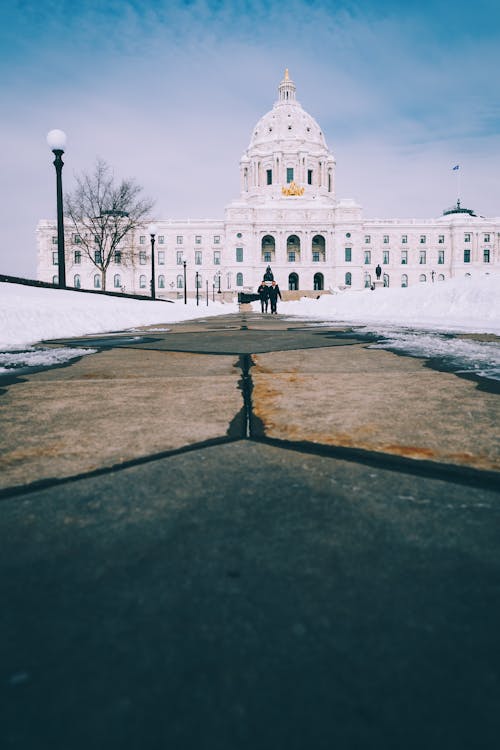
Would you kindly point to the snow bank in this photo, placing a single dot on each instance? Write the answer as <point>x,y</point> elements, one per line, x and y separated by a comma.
<point>32,314</point>
<point>469,304</point>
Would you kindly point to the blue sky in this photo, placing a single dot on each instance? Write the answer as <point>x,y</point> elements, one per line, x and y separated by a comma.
<point>169,92</point>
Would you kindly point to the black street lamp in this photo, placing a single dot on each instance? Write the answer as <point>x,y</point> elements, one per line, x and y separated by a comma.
<point>207,292</point>
<point>218,279</point>
<point>197,282</point>
<point>185,290</point>
<point>152,232</point>
<point>57,141</point>
<point>213,292</point>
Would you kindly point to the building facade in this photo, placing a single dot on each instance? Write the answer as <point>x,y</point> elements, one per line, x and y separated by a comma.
<point>287,216</point>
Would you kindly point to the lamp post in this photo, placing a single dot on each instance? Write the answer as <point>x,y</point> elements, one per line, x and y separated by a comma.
<point>197,282</point>
<point>152,232</point>
<point>185,290</point>
<point>57,141</point>
<point>213,292</point>
<point>218,279</point>
<point>207,291</point>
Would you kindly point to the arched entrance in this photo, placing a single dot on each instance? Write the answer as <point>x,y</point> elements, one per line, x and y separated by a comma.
<point>293,282</point>
<point>319,282</point>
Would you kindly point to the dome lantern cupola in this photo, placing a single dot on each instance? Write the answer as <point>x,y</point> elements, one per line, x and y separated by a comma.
<point>286,89</point>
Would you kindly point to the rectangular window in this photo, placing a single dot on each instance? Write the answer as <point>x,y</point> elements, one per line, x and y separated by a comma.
<point>440,257</point>
<point>77,240</point>
<point>423,257</point>
<point>179,257</point>
<point>55,261</point>
<point>216,239</point>
<point>161,257</point>
<point>467,237</point>
<point>216,257</point>
<point>309,177</point>
<point>423,239</point>
<point>486,238</point>
<point>486,255</point>
<point>142,258</point>
<point>441,239</point>
<point>142,239</point>
<point>291,256</point>
<point>180,239</point>
<point>239,255</point>
<point>197,257</point>
<point>315,256</point>
<point>404,239</point>
<point>161,239</point>
<point>266,257</point>
<point>118,258</point>
<point>97,256</point>
<point>386,239</point>
<point>404,257</point>
<point>269,176</point>
<point>78,257</point>
<point>197,239</point>
<point>368,257</point>
<point>54,240</point>
<point>385,256</point>
<point>467,256</point>
<point>348,254</point>
<point>368,239</point>
<point>289,174</point>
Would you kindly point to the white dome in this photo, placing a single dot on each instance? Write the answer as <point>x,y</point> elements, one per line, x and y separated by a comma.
<point>287,124</point>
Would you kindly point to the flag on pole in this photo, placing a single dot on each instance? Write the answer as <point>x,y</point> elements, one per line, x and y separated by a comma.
<point>457,166</point>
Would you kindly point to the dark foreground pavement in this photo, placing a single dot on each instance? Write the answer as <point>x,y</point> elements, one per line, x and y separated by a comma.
<point>251,593</point>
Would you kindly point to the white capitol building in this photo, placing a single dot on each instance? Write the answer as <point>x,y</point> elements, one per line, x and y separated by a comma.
<point>287,216</point>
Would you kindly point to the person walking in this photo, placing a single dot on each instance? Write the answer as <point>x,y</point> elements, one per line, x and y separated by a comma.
<point>274,293</point>
<point>263,292</point>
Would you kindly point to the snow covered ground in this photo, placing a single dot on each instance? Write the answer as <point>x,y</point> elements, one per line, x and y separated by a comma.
<point>416,320</point>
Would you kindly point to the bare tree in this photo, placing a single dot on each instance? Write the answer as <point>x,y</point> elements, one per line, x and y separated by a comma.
<point>104,212</point>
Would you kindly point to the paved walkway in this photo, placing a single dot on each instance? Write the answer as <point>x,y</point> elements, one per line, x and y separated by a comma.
<point>246,532</point>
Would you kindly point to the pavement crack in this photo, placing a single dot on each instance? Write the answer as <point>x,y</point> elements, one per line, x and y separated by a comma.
<point>253,425</point>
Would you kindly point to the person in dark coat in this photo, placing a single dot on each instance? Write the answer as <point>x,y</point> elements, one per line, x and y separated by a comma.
<point>263,292</point>
<point>378,271</point>
<point>274,293</point>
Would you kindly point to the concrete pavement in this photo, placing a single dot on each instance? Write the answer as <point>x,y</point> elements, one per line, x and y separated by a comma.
<point>248,532</point>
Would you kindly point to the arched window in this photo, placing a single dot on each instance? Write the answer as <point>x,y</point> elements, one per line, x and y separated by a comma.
<point>97,281</point>
<point>268,248</point>
<point>142,281</point>
<point>386,279</point>
<point>368,281</point>
<point>239,279</point>
<point>422,277</point>
<point>441,277</point>
<point>117,282</point>
<point>293,248</point>
<point>318,281</point>
<point>348,279</point>
<point>318,248</point>
<point>180,282</point>
<point>161,281</point>
<point>55,280</point>
<point>293,281</point>
<point>404,280</point>
<point>77,283</point>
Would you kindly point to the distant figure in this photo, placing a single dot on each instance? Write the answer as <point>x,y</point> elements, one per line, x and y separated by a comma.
<point>378,271</point>
<point>263,292</point>
<point>274,293</point>
<point>268,276</point>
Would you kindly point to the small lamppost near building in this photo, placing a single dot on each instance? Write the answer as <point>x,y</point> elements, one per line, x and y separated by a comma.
<point>185,289</point>
<point>197,282</point>
<point>152,233</point>
<point>218,280</point>
<point>57,141</point>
